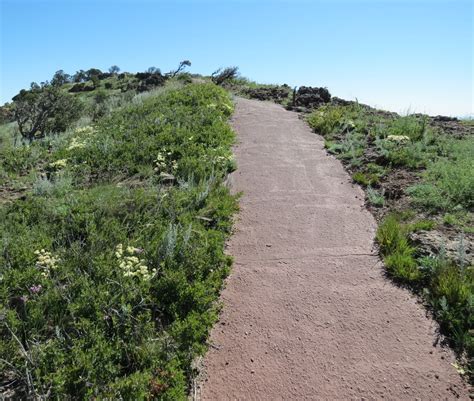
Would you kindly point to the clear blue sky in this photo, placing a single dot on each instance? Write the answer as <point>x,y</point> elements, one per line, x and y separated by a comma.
<point>396,54</point>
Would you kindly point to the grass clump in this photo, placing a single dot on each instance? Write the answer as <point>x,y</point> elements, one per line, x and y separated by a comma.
<point>397,253</point>
<point>327,119</point>
<point>412,126</point>
<point>422,225</point>
<point>113,260</point>
<point>365,179</point>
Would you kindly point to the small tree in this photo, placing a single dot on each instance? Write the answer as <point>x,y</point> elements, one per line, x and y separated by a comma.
<point>93,72</point>
<point>60,78</point>
<point>44,109</point>
<point>181,67</point>
<point>79,76</point>
<point>114,69</point>
<point>221,76</point>
<point>153,70</point>
<point>6,113</point>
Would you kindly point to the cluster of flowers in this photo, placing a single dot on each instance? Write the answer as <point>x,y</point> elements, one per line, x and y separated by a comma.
<point>220,157</point>
<point>223,106</point>
<point>45,261</point>
<point>87,130</point>
<point>161,165</point>
<point>79,141</point>
<point>222,160</point>
<point>36,288</point>
<point>58,164</point>
<point>160,162</point>
<point>398,138</point>
<point>131,265</point>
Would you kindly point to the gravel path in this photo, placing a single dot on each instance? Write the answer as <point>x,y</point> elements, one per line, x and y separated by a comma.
<point>308,314</point>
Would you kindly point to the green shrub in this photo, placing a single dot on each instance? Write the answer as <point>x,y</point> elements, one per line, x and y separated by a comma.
<point>357,134</point>
<point>44,109</point>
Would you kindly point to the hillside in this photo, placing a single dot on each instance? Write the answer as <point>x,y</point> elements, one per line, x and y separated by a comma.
<point>116,210</point>
<point>113,234</point>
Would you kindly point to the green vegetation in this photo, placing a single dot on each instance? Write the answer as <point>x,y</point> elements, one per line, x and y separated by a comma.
<point>329,119</point>
<point>398,141</point>
<point>112,246</point>
<point>374,143</point>
<point>365,179</point>
<point>448,183</point>
<point>369,174</point>
<point>44,109</point>
<point>461,220</point>
<point>374,197</point>
<point>398,254</point>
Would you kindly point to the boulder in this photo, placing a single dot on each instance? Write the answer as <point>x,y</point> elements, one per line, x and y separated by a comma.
<point>311,97</point>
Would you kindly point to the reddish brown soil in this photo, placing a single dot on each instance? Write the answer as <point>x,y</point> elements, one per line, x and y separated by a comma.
<point>308,313</point>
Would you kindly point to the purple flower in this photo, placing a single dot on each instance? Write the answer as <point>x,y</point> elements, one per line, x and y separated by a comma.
<point>35,289</point>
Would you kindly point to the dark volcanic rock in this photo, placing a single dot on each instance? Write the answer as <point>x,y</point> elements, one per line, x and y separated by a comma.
<point>444,118</point>
<point>273,93</point>
<point>149,81</point>
<point>341,102</point>
<point>310,97</point>
<point>81,87</point>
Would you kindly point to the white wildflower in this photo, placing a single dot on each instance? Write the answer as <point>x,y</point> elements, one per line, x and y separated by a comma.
<point>46,261</point>
<point>398,138</point>
<point>58,164</point>
<point>131,265</point>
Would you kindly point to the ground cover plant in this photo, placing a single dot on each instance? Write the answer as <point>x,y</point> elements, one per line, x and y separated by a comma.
<point>112,241</point>
<point>417,172</point>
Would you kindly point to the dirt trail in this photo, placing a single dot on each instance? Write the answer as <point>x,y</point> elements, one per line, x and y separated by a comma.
<point>308,314</point>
